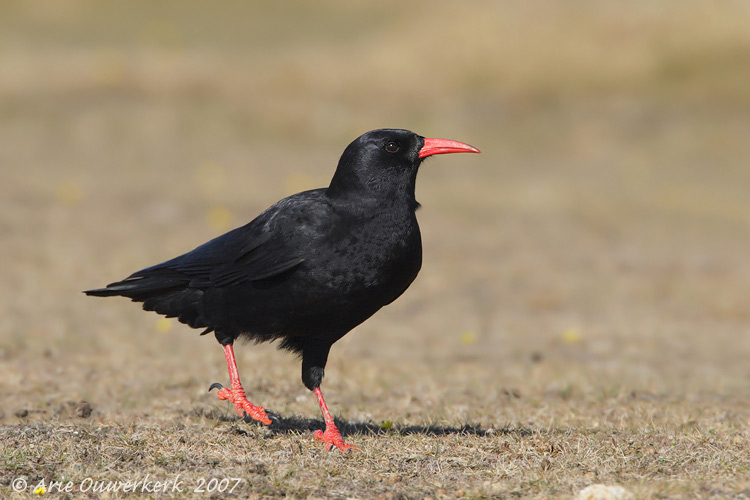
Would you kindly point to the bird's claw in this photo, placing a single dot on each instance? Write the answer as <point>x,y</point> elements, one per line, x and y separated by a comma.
<point>242,406</point>
<point>271,415</point>
<point>250,411</point>
<point>332,438</point>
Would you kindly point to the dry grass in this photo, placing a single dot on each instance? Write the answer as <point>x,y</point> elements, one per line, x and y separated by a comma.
<point>582,315</point>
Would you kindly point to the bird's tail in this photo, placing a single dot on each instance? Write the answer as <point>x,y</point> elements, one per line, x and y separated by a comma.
<point>137,289</point>
<point>170,297</point>
<point>102,292</point>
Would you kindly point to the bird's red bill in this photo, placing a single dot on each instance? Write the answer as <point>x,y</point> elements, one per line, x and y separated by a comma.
<point>441,146</point>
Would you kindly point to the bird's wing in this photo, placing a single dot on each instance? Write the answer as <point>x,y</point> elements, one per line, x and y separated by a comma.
<point>264,256</point>
<point>266,247</point>
<point>245,254</point>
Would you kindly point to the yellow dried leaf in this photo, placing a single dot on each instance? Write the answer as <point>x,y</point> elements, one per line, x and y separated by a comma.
<point>572,336</point>
<point>163,325</point>
<point>468,338</point>
<point>219,218</point>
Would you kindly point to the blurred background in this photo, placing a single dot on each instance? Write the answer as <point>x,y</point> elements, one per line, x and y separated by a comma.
<point>598,246</point>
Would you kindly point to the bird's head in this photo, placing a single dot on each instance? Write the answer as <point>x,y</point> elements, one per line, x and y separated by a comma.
<point>387,160</point>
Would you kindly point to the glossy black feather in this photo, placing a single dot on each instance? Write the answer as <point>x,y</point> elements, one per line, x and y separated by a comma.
<point>307,270</point>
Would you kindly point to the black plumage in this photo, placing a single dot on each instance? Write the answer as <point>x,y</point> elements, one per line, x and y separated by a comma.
<point>312,266</point>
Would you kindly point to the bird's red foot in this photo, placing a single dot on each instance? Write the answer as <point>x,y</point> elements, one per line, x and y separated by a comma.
<point>332,437</point>
<point>243,407</point>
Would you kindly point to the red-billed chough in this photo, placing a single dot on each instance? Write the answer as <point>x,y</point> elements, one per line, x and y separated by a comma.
<point>308,269</point>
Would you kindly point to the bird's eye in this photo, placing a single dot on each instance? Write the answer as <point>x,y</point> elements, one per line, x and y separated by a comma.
<point>392,147</point>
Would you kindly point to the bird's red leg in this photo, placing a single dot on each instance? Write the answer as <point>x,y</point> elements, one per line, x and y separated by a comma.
<point>237,394</point>
<point>331,436</point>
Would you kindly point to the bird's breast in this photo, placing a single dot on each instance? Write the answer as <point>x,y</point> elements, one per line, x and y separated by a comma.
<point>348,274</point>
<point>376,258</point>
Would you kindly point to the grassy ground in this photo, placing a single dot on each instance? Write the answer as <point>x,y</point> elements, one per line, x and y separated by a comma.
<point>582,315</point>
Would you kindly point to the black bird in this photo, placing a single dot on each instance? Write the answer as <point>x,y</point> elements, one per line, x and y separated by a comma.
<point>308,269</point>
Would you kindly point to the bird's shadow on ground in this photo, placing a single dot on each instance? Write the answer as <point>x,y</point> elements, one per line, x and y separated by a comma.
<point>296,424</point>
